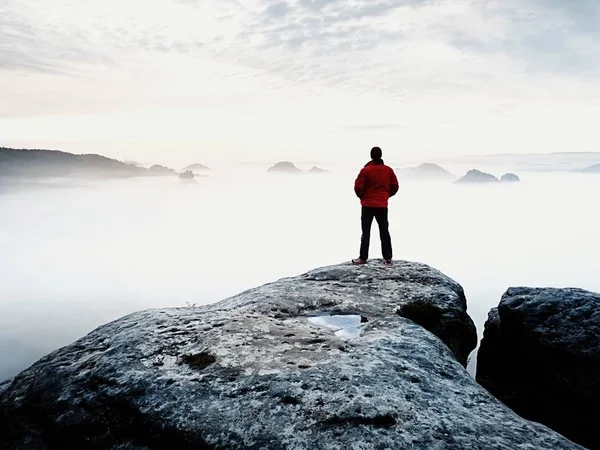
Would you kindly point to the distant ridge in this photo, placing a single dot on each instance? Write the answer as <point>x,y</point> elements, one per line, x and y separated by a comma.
<point>135,163</point>
<point>55,163</point>
<point>25,163</point>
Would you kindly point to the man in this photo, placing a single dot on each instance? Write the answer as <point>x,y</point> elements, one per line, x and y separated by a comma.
<point>375,184</point>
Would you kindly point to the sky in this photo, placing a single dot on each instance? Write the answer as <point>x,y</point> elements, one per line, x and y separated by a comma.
<point>182,81</point>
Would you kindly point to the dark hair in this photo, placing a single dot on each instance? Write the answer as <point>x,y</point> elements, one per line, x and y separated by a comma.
<point>376,153</point>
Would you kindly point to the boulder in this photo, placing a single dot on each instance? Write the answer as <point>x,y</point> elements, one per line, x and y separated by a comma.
<point>284,167</point>
<point>340,357</point>
<point>510,178</point>
<point>540,355</point>
<point>476,176</point>
<point>426,171</point>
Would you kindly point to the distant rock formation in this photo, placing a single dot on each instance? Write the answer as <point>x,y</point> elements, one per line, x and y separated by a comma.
<point>536,162</point>
<point>316,169</point>
<point>343,356</point>
<point>284,167</point>
<point>197,167</point>
<point>476,176</point>
<point>425,171</point>
<point>591,169</point>
<point>135,163</point>
<point>186,175</point>
<point>510,178</point>
<point>162,170</point>
<point>51,163</point>
<point>540,355</point>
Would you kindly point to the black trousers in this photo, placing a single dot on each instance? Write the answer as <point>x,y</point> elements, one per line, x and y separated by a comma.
<point>381,216</point>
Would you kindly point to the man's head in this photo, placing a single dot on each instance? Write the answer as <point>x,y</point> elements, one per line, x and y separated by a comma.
<point>376,153</point>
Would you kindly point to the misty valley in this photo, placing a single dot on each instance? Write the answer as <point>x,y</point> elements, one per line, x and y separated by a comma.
<point>78,252</point>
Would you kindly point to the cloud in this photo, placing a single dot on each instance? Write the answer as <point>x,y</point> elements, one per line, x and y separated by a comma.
<point>30,45</point>
<point>278,9</point>
<point>349,66</point>
<point>541,35</point>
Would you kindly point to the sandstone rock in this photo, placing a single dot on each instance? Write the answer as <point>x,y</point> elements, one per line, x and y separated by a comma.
<point>540,355</point>
<point>197,167</point>
<point>187,175</point>
<point>262,370</point>
<point>476,176</point>
<point>284,167</point>
<point>510,177</point>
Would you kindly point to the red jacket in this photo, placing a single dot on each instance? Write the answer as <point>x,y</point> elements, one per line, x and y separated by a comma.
<point>375,184</point>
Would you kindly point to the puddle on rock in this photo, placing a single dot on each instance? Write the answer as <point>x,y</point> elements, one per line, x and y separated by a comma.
<point>346,326</point>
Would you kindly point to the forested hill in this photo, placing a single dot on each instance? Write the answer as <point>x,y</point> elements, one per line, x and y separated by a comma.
<point>53,163</point>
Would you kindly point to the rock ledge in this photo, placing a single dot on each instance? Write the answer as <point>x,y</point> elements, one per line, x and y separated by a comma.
<point>256,372</point>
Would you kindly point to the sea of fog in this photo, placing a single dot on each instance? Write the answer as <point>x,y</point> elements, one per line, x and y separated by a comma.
<point>77,254</point>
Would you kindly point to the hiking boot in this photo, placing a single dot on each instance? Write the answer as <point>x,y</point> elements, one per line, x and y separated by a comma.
<point>359,261</point>
<point>387,262</point>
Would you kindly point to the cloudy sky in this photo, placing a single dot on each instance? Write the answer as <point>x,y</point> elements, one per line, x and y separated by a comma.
<point>173,81</point>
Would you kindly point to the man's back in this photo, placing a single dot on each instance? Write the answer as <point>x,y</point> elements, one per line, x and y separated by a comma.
<point>375,184</point>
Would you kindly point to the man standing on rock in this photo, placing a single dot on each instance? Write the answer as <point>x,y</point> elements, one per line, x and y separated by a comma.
<point>375,184</point>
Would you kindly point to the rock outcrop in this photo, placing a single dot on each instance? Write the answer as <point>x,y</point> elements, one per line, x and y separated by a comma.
<point>426,172</point>
<point>161,170</point>
<point>197,167</point>
<point>186,175</point>
<point>510,178</point>
<point>270,369</point>
<point>540,355</point>
<point>284,167</point>
<point>591,169</point>
<point>476,176</point>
